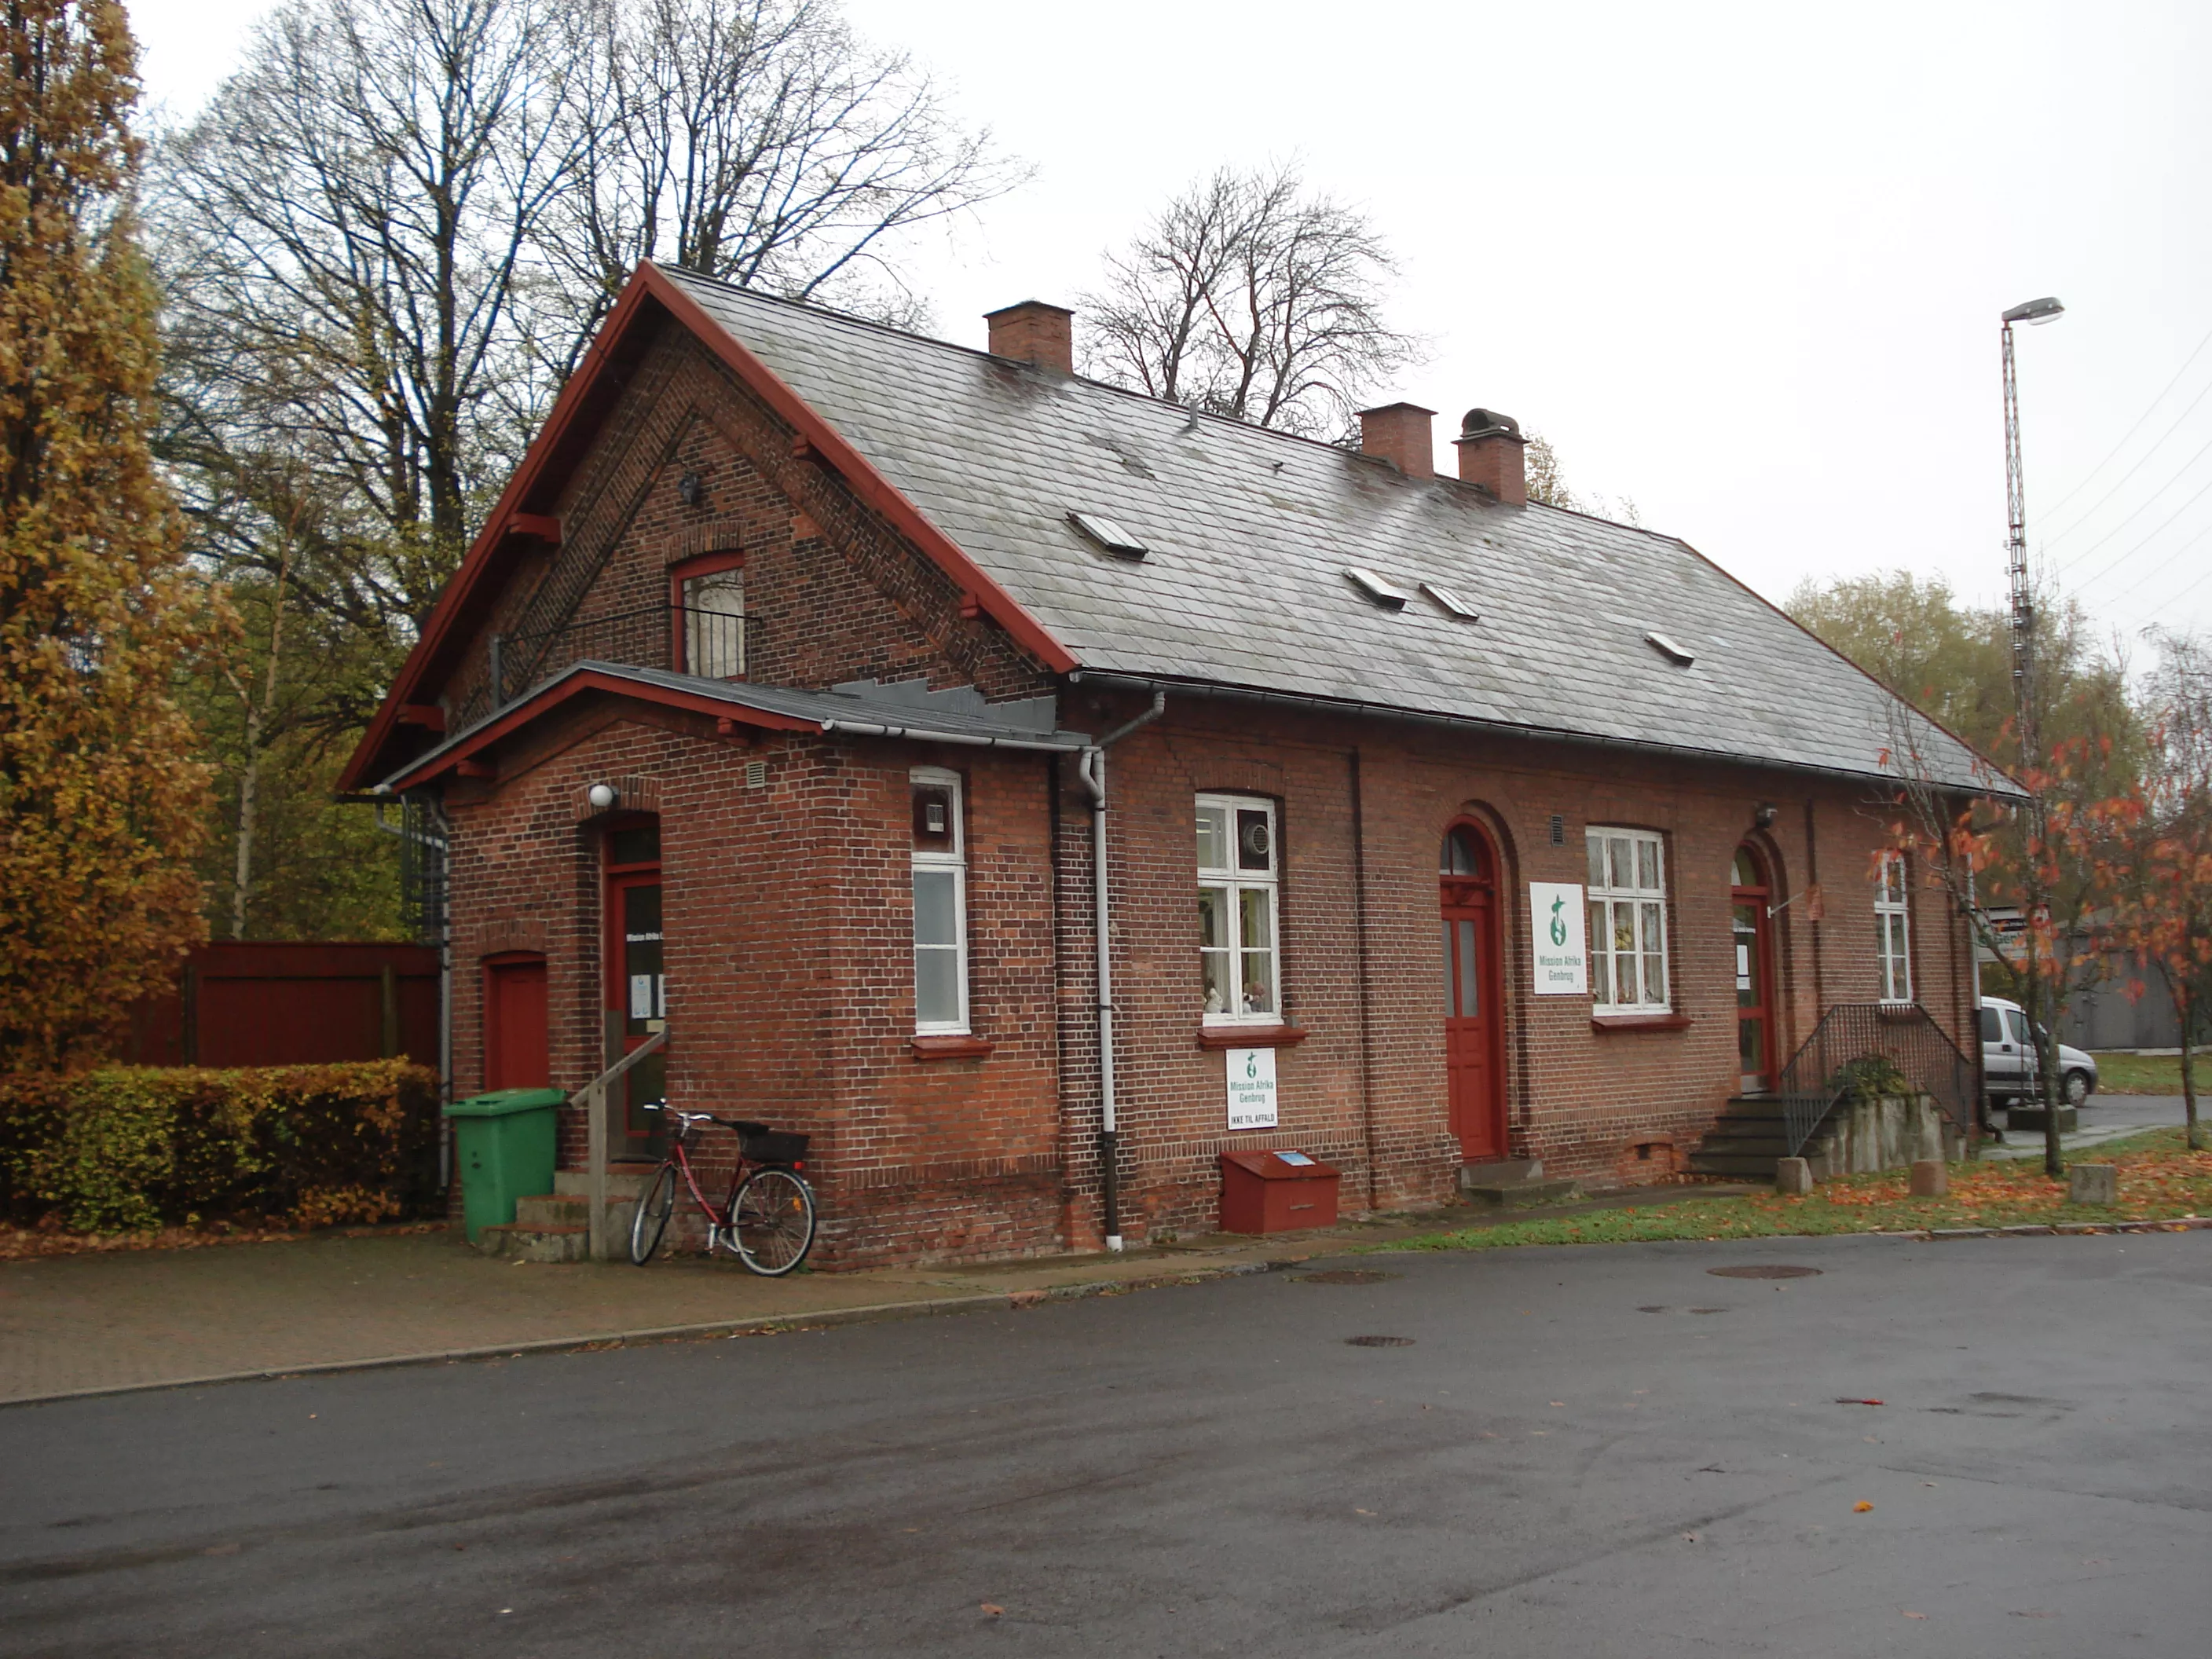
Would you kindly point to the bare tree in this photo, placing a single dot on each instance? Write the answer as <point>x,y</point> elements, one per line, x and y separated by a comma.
<point>755,141</point>
<point>342,231</point>
<point>1247,297</point>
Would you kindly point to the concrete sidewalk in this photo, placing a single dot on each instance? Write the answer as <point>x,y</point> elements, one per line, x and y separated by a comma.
<point>113,1321</point>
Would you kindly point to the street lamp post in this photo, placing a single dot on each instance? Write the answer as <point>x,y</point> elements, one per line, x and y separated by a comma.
<point>2036,909</point>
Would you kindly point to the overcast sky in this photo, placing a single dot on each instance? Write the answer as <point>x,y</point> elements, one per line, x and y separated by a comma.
<point>1742,264</point>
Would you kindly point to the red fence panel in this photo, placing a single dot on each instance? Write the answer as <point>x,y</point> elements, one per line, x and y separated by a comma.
<point>292,1003</point>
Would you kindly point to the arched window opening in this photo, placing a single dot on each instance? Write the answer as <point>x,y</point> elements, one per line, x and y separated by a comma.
<point>1464,855</point>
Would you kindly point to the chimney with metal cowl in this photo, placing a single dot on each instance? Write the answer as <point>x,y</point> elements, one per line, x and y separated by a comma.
<point>1490,455</point>
<point>1401,435</point>
<point>1035,332</point>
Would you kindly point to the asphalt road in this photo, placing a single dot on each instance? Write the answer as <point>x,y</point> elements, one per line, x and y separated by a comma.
<point>1582,1452</point>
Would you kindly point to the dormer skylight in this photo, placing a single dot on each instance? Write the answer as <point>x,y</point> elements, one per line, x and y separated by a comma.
<point>1451,601</point>
<point>1386,594</point>
<point>1108,535</point>
<point>1667,648</point>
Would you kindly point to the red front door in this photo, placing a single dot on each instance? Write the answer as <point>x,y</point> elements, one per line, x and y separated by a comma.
<point>515,1049</point>
<point>636,980</point>
<point>1752,931</point>
<point>1473,1024</point>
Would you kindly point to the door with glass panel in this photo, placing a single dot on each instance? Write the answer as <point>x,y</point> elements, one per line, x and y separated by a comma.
<point>1474,1066</point>
<point>637,984</point>
<point>1750,895</point>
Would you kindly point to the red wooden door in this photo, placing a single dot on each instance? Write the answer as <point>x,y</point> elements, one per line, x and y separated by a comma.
<point>1752,930</point>
<point>515,1047</point>
<point>636,981</point>
<point>1473,1024</point>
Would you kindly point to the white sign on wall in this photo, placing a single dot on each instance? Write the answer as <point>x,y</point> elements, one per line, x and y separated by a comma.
<point>1561,939</point>
<point>1251,1088</point>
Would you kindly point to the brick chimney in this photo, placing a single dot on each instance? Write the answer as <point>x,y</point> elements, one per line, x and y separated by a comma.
<point>1401,435</point>
<point>1489,447</point>
<point>1035,332</point>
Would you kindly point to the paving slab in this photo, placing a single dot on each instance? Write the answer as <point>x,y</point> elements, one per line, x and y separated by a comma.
<point>118,1321</point>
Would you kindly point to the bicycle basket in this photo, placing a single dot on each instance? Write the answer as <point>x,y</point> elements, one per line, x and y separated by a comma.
<point>764,1145</point>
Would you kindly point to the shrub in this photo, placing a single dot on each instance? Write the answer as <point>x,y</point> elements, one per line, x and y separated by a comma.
<point>132,1148</point>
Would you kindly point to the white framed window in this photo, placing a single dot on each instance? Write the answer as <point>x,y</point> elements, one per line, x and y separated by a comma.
<point>1893,929</point>
<point>1627,923</point>
<point>712,603</point>
<point>1239,867</point>
<point>940,904</point>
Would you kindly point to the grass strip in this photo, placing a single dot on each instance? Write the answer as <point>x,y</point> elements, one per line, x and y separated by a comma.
<point>2159,1179</point>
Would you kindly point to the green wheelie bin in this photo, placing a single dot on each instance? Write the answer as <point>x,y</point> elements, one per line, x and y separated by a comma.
<point>505,1152</point>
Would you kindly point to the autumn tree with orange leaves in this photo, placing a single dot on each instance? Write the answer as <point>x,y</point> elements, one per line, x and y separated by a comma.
<point>2154,850</point>
<point>102,806</point>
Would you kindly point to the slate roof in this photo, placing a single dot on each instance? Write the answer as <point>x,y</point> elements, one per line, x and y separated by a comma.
<point>1250,532</point>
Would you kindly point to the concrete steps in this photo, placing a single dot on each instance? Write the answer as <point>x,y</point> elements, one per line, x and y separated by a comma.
<point>1747,1141</point>
<point>1514,1184</point>
<point>556,1226</point>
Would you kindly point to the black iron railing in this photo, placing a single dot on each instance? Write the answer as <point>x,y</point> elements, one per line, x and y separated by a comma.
<point>1860,1042</point>
<point>716,644</point>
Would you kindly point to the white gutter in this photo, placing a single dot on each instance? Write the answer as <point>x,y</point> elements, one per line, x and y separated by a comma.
<point>1091,769</point>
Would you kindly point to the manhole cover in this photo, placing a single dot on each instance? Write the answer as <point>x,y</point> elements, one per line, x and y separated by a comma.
<point>1380,1341</point>
<point>1764,1270</point>
<point>1344,1276</point>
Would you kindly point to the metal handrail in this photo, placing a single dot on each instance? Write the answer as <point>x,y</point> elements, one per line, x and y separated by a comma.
<point>1822,1073</point>
<point>592,1097</point>
<point>656,635</point>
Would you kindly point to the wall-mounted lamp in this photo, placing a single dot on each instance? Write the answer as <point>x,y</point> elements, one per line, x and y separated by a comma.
<point>602,796</point>
<point>689,489</point>
<point>1764,813</point>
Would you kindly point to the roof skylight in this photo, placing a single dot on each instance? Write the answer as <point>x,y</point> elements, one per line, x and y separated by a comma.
<point>1108,535</point>
<point>1451,601</point>
<point>1386,594</point>
<point>1667,648</point>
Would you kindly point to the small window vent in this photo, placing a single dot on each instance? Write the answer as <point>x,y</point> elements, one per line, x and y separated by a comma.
<point>1559,829</point>
<point>1667,648</point>
<point>1389,595</point>
<point>1451,601</point>
<point>1108,535</point>
<point>755,774</point>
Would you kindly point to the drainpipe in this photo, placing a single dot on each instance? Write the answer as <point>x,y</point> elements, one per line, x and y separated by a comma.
<point>1090,766</point>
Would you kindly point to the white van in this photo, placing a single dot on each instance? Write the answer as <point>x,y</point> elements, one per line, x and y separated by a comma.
<point>2008,1061</point>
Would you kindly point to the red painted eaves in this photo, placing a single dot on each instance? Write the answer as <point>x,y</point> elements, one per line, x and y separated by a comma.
<point>554,693</point>
<point>648,294</point>
<point>858,471</point>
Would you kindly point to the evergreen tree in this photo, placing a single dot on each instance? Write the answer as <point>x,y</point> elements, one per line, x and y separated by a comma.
<point>101,803</point>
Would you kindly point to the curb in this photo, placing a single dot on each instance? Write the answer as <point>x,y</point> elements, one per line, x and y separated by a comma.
<point>2180,1223</point>
<point>759,1325</point>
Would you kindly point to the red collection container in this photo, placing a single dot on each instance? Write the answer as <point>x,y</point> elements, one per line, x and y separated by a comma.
<point>1276,1193</point>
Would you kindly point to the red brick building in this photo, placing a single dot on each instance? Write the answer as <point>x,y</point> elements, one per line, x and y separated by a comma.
<point>803,666</point>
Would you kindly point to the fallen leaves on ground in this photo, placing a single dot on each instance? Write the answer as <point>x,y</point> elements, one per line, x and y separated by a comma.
<point>992,1609</point>
<point>1861,1507</point>
<point>2159,1178</point>
<point>31,1243</point>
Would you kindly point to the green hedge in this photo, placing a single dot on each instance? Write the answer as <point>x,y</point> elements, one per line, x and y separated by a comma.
<point>133,1148</point>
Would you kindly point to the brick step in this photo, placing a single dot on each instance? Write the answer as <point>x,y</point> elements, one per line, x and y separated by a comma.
<point>553,1210</point>
<point>624,1181</point>
<point>1759,1166</point>
<point>1772,1142</point>
<point>542,1242</point>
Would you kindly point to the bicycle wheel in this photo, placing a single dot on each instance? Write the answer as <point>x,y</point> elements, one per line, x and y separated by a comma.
<point>649,1221</point>
<point>772,1220</point>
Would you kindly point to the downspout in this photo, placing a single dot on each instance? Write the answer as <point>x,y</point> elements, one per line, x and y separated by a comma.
<point>1090,766</point>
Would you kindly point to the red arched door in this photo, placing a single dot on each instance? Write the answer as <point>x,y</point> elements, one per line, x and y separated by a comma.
<point>1474,1048</point>
<point>1750,897</point>
<point>515,1048</point>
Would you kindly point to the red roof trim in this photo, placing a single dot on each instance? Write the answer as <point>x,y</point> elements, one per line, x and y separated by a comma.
<point>649,292</point>
<point>554,693</point>
<point>868,483</point>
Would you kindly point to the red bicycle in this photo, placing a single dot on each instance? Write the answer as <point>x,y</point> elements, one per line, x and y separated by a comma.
<point>767,1218</point>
